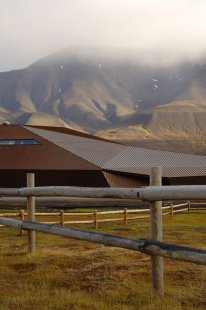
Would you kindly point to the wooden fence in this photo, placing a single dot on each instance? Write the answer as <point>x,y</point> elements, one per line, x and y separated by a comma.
<point>155,194</point>
<point>172,209</point>
<point>63,201</point>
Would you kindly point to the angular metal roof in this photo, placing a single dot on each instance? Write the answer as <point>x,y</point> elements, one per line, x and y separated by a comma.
<point>69,131</point>
<point>139,161</point>
<point>43,156</point>
<point>120,158</point>
<point>95,151</point>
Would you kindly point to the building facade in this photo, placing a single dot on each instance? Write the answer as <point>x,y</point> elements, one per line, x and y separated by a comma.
<point>61,156</point>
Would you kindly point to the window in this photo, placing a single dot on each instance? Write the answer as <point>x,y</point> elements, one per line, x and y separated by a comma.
<point>18,142</point>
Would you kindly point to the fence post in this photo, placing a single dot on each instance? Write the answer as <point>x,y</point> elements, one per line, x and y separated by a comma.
<point>125,217</point>
<point>62,217</point>
<point>171,211</point>
<point>189,206</point>
<point>31,214</point>
<point>21,215</point>
<point>95,219</point>
<point>157,273</point>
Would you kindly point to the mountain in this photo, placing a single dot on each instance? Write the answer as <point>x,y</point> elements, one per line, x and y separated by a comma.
<point>108,95</point>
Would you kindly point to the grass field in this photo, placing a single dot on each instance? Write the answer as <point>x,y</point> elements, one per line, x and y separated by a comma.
<point>69,274</point>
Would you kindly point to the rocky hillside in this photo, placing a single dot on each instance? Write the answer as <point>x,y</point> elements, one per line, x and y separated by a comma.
<point>118,99</point>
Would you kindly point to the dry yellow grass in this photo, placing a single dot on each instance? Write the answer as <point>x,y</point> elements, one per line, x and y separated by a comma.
<point>69,274</point>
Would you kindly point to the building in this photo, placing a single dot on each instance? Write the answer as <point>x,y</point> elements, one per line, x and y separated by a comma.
<point>61,156</point>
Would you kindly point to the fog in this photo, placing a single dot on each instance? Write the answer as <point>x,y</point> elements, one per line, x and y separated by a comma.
<point>151,31</point>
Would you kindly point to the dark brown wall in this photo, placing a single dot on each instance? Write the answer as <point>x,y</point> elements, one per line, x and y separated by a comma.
<point>197,180</point>
<point>17,178</point>
<point>86,178</point>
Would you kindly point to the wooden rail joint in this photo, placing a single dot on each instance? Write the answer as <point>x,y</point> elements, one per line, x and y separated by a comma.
<point>172,251</point>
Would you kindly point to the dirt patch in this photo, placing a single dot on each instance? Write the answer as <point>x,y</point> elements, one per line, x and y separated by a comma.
<point>25,267</point>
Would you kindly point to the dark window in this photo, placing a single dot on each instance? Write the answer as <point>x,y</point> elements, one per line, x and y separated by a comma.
<point>18,142</point>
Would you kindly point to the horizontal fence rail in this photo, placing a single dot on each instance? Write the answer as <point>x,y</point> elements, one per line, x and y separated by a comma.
<point>96,213</point>
<point>69,201</point>
<point>151,193</point>
<point>150,247</point>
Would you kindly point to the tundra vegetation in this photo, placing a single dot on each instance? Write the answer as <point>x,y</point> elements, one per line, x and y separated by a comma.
<point>72,274</point>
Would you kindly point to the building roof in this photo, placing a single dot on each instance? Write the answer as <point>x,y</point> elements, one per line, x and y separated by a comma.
<point>43,156</point>
<point>95,151</point>
<point>139,161</point>
<point>69,131</point>
<point>66,149</point>
<point>121,158</point>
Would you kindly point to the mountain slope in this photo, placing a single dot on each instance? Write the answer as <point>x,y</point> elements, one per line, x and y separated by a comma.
<point>97,93</point>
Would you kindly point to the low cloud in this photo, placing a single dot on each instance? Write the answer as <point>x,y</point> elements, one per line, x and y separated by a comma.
<point>154,31</point>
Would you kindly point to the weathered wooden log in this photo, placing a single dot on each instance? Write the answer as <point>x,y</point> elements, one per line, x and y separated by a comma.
<point>157,273</point>
<point>165,208</point>
<point>62,217</point>
<point>92,221</point>
<point>86,192</point>
<point>71,213</point>
<point>180,205</point>
<point>151,193</point>
<point>125,217</point>
<point>47,213</point>
<point>70,202</point>
<point>150,247</point>
<point>9,214</point>
<point>180,192</point>
<point>31,213</point>
<point>189,207</point>
<point>172,211</point>
<point>173,251</point>
<point>176,211</point>
<point>95,219</point>
<point>22,217</point>
<point>78,213</point>
<point>138,210</point>
<point>79,222</point>
<point>111,212</point>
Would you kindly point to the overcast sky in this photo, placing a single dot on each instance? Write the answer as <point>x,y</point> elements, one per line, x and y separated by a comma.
<point>164,30</point>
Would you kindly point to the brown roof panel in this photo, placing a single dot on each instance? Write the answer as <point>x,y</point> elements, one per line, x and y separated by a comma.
<point>139,161</point>
<point>95,151</point>
<point>70,131</point>
<point>43,156</point>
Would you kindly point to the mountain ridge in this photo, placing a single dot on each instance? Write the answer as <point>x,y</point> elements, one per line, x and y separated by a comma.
<point>99,94</point>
